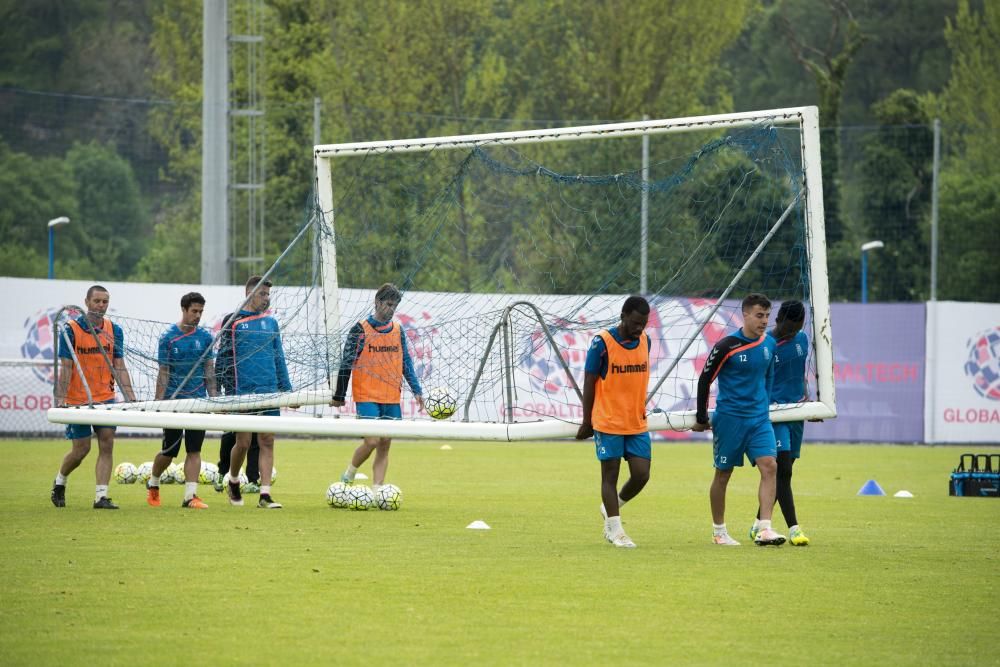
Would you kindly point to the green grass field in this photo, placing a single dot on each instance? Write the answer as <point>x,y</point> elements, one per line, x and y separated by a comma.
<point>885,581</point>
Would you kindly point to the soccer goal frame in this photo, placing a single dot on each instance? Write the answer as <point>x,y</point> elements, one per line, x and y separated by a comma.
<point>200,416</point>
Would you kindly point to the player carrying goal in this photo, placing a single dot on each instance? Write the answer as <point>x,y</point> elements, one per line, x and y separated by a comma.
<point>91,363</point>
<point>259,369</point>
<point>183,346</point>
<point>743,362</point>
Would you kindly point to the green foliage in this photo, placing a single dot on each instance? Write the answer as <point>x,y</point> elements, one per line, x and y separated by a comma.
<point>112,213</point>
<point>385,69</point>
<point>173,255</point>
<point>95,188</point>
<point>970,207</point>
<point>32,192</point>
<point>872,587</point>
<point>907,49</point>
<point>969,242</point>
<point>896,191</point>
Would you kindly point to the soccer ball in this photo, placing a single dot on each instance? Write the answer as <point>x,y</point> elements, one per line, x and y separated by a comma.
<point>167,476</point>
<point>247,486</point>
<point>389,497</point>
<point>209,473</point>
<point>336,495</point>
<point>359,497</point>
<point>143,472</point>
<point>243,481</point>
<point>176,471</point>
<point>440,403</point>
<point>125,473</point>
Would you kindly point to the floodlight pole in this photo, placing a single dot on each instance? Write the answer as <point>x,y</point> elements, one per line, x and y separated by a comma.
<point>865,247</point>
<point>55,222</point>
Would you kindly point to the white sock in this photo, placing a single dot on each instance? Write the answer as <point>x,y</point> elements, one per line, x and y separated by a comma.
<point>756,524</point>
<point>613,525</point>
<point>764,524</point>
<point>265,490</point>
<point>376,487</point>
<point>154,480</point>
<point>60,479</point>
<point>719,529</point>
<point>351,472</point>
<point>101,492</point>
<point>792,528</point>
<point>190,490</point>
<point>621,503</point>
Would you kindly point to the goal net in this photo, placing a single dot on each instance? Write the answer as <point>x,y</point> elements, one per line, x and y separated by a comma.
<point>513,250</point>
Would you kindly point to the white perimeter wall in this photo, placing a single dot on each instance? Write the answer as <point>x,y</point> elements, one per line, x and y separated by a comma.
<point>962,383</point>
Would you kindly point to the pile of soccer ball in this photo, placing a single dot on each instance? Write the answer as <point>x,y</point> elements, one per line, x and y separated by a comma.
<point>127,473</point>
<point>360,497</point>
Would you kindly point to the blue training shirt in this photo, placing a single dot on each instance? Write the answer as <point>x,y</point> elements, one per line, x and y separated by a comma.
<point>260,359</point>
<point>745,369</point>
<point>179,351</point>
<point>597,354</point>
<point>790,369</point>
<point>64,350</point>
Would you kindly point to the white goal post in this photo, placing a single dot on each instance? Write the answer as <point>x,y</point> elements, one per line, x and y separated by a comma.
<point>206,414</point>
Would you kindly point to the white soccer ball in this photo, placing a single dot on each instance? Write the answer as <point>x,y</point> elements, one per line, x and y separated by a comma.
<point>440,403</point>
<point>209,473</point>
<point>143,472</point>
<point>177,473</point>
<point>242,479</point>
<point>360,497</point>
<point>389,497</point>
<point>167,476</point>
<point>126,473</point>
<point>246,485</point>
<point>337,495</point>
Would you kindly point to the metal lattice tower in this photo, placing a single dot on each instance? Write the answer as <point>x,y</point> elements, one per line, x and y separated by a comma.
<point>246,139</point>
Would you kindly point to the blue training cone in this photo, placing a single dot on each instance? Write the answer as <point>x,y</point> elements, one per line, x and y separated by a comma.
<point>871,488</point>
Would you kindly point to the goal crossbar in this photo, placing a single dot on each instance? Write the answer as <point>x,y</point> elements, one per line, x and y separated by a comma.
<point>775,116</point>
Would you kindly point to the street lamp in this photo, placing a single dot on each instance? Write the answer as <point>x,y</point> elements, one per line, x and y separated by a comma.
<point>865,247</point>
<point>55,222</point>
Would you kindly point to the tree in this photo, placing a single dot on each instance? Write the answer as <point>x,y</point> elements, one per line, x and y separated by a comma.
<point>829,65</point>
<point>33,191</point>
<point>111,210</point>
<point>907,49</point>
<point>896,194</point>
<point>969,201</point>
<point>171,255</point>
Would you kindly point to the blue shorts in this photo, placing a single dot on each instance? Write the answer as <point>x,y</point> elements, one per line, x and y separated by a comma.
<point>379,411</point>
<point>610,446</point>
<point>78,431</point>
<point>789,437</point>
<point>733,437</point>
